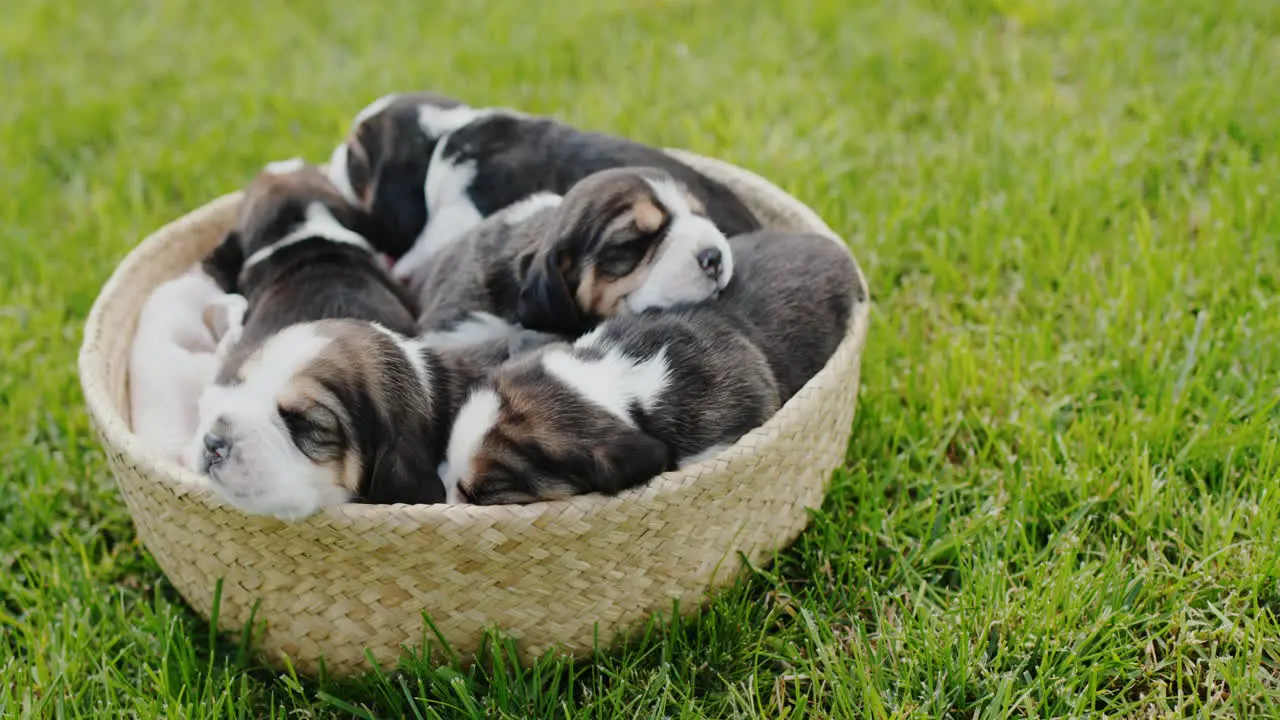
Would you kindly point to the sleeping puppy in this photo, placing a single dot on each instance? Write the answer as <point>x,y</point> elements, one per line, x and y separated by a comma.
<point>326,412</point>
<point>793,295</point>
<point>172,359</point>
<point>300,252</point>
<point>621,241</point>
<point>647,393</point>
<point>431,167</point>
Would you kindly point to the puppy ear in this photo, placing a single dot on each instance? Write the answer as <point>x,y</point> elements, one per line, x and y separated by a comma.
<point>626,459</point>
<point>224,262</point>
<point>400,205</point>
<point>545,303</point>
<point>403,473</point>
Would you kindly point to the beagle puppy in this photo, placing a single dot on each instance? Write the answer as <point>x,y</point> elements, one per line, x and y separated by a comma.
<point>644,394</point>
<point>621,241</point>
<point>431,167</point>
<point>300,252</point>
<point>339,410</point>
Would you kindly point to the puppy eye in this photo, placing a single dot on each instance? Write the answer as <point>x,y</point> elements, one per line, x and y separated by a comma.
<point>621,258</point>
<point>314,426</point>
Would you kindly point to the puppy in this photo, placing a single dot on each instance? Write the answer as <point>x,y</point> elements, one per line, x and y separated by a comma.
<point>300,252</point>
<point>621,241</point>
<point>172,360</point>
<point>647,393</point>
<point>333,411</point>
<point>431,168</point>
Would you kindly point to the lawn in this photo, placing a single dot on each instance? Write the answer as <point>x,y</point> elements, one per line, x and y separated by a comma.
<point>1060,493</point>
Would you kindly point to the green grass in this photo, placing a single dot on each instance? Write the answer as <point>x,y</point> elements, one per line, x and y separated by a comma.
<point>1060,495</point>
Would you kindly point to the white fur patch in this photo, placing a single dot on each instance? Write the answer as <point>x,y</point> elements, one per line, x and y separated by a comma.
<point>264,473</point>
<point>412,349</point>
<point>285,167</point>
<point>372,109</point>
<point>614,382</point>
<point>592,338</point>
<point>479,327</point>
<point>676,276</point>
<point>171,362</point>
<point>319,223</point>
<point>521,210</point>
<point>336,171</point>
<point>475,419</point>
<point>450,212</point>
<point>437,121</point>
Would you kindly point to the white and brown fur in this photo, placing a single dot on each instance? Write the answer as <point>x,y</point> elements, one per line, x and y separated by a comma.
<point>647,393</point>
<point>301,252</point>
<point>430,168</point>
<point>621,241</point>
<point>333,411</point>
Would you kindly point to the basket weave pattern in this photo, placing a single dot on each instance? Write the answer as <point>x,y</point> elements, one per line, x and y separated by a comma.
<point>550,575</point>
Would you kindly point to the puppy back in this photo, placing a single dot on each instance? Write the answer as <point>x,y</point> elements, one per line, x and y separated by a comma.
<point>559,155</point>
<point>795,291</point>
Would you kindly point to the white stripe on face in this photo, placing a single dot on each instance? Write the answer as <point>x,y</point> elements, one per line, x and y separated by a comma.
<point>475,419</point>
<point>676,276</point>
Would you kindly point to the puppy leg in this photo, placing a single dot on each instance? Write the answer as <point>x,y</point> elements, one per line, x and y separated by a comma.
<point>225,318</point>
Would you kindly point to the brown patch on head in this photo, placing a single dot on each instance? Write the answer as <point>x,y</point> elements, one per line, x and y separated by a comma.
<point>505,466</point>
<point>550,442</point>
<point>269,192</point>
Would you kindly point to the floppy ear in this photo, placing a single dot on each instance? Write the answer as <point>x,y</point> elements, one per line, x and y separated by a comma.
<point>400,205</point>
<point>404,472</point>
<point>626,459</point>
<point>224,262</point>
<point>545,302</point>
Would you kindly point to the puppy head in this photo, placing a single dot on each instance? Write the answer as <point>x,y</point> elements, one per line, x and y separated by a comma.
<point>318,414</point>
<point>554,424</point>
<point>624,240</point>
<point>382,165</point>
<point>289,199</point>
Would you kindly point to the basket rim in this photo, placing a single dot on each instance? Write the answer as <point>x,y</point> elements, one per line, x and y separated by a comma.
<point>118,436</point>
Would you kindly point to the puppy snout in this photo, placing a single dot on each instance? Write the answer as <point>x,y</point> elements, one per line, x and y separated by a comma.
<point>216,448</point>
<point>711,261</point>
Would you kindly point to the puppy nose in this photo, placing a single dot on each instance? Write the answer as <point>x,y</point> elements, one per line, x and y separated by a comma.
<point>710,261</point>
<point>216,447</point>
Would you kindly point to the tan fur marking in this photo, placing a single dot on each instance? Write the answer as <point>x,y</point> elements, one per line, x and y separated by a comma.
<point>695,204</point>
<point>601,296</point>
<point>647,216</point>
<point>352,470</point>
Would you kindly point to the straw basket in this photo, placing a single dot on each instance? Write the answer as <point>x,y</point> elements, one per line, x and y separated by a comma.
<point>557,575</point>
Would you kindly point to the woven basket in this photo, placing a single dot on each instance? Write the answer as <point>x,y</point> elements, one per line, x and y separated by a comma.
<point>556,575</point>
